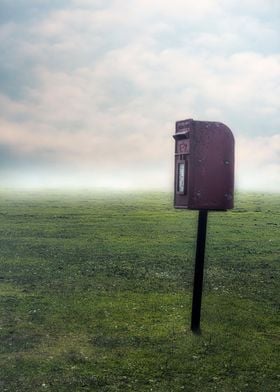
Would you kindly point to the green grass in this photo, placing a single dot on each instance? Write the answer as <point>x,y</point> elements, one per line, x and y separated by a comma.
<point>95,294</point>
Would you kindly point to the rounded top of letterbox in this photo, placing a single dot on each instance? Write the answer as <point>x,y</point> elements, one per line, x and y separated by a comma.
<point>184,127</point>
<point>217,125</point>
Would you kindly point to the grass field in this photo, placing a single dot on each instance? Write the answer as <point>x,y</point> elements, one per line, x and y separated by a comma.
<point>95,294</point>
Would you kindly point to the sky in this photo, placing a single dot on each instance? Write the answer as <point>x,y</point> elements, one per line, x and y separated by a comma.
<point>90,89</point>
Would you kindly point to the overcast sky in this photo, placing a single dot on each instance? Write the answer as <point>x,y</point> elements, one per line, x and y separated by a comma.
<point>91,89</point>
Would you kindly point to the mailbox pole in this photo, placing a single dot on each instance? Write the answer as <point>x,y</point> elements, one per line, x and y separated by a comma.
<point>204,150</point>
<point>198,273</point>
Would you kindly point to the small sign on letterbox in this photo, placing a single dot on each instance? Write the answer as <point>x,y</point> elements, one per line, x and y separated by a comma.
<point>204,165</point>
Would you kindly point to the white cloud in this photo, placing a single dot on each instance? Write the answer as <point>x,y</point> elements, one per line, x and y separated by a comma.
<point>258,163</point>
<point>115,77</point>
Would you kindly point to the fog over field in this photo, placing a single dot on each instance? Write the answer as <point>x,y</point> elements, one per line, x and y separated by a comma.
<point>90,90</point>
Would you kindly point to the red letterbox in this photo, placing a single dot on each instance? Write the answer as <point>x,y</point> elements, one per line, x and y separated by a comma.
<point>204,165</point>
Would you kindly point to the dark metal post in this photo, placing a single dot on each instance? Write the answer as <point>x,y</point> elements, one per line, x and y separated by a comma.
<point>198,273</point>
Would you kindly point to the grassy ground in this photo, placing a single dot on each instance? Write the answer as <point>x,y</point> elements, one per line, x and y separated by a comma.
<point>95,294</point>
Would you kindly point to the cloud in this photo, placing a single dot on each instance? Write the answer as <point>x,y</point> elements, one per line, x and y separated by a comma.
<point>258,163</point>
<point>84,80</point>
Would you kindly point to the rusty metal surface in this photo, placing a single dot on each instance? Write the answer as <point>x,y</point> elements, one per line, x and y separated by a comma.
<point>207,148</point>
